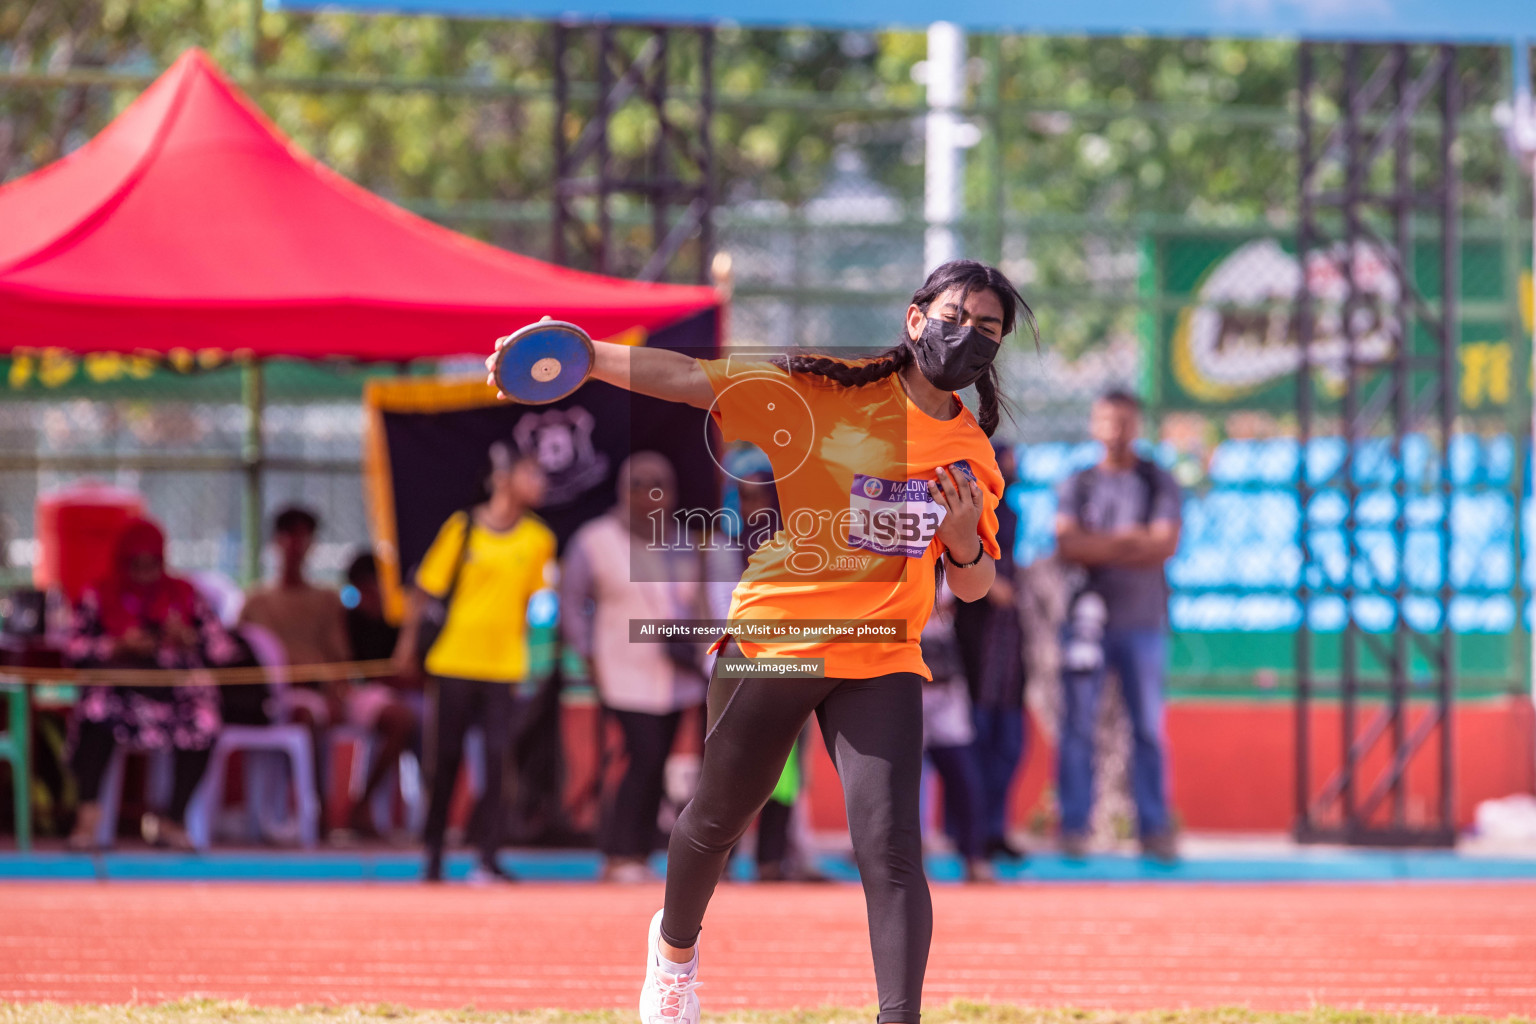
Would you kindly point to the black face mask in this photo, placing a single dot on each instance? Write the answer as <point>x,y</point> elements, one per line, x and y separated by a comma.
<point>952,357</point>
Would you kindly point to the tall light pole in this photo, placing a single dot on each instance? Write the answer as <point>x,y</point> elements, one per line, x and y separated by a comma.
<point>942,169</point>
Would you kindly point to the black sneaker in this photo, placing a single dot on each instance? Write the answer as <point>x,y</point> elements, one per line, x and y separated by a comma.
<point>434,869</point>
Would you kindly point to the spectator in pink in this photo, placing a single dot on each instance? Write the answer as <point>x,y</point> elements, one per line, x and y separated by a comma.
<point>140,617</point>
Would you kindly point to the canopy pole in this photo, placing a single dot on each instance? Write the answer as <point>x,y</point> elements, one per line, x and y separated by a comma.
<point>253,454</point>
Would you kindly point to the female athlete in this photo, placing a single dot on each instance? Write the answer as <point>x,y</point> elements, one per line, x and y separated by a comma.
<point>882,473</point>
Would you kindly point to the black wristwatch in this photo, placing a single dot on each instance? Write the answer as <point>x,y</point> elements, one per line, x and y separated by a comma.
<point>981,549</point>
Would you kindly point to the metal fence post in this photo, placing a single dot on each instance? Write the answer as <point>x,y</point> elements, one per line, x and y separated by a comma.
<point>253,456</point>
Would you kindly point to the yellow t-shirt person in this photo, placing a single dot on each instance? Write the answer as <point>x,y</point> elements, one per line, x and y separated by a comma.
<point>486,635</point>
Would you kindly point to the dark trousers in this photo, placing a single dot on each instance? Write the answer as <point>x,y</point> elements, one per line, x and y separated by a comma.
<point>999,748</point>
<point>462,703</point>
<point>93,752</point>
<point>630,826</point>
<point>963,819</point>
<point>873,729</point>
<point>773,833</point>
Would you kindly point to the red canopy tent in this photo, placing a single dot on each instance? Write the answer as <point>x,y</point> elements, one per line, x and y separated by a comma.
<point>192,222</point>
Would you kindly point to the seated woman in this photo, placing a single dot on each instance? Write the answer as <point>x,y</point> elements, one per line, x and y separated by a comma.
<point>141,618</point>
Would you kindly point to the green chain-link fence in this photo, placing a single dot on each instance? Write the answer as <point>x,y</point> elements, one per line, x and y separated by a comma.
<point>1113,180</point>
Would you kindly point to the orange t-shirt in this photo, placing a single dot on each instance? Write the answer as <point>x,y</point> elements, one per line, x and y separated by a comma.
<point>858,542</point>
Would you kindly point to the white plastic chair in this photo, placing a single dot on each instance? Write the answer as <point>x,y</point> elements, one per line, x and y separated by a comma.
<point>290,741</point>
<point>264,747</point>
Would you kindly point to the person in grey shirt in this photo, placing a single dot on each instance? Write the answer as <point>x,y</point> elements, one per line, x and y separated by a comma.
<point>1119,522</point>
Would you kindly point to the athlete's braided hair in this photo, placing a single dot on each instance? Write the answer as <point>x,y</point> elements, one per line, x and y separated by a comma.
<point>851,374</point>
<point>990,401</point>
<point>968,275</point>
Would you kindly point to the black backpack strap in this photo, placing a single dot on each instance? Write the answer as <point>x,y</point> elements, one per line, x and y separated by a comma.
<point>1146,469</point>
<point>1080,487</point>
<point>1081,579</point>
<point>458,565</point>
<point>1151,481</point>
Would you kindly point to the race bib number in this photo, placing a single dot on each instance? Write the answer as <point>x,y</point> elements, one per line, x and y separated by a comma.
<point>892,517</point>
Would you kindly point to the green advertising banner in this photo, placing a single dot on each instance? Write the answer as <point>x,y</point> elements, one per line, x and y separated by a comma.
<point>1221,338</point>
<point>1225,336</point>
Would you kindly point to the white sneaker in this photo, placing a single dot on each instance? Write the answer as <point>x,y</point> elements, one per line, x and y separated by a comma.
<point>667,998</point>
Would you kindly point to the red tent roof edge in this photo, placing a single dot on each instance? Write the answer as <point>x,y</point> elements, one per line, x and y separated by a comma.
<point>105,171</point>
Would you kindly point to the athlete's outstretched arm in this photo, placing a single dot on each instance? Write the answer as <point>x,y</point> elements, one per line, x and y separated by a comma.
<point>670,376</point>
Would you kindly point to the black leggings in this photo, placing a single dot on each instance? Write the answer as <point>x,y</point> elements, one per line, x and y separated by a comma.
<point>93,752</point>
<point>874,731</point>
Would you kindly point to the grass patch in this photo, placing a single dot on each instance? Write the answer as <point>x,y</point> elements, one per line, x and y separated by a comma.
<point>209,1011</point>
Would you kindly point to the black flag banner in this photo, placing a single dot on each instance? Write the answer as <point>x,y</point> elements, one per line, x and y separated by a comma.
<point>428,439</point>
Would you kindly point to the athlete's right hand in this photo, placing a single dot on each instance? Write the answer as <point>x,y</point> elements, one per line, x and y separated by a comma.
<point>490,366</point>
<point>960,497</point>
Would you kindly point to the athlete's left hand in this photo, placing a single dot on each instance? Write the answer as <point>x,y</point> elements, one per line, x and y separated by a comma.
<point>960,497</point>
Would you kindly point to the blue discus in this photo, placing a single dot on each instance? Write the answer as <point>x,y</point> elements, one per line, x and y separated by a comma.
<point>543,362</point>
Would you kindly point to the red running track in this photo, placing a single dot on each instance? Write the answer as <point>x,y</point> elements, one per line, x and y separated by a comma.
<point>1452,948</point>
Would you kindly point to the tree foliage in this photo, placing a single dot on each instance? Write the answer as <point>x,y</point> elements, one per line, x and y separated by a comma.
<point>1113,130</point>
